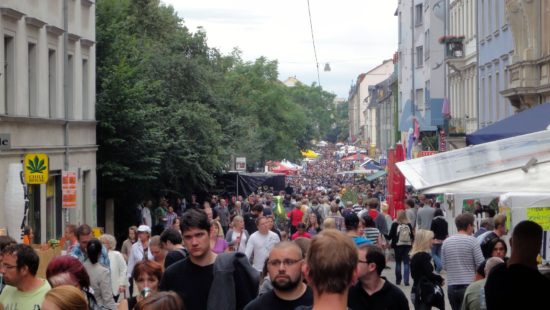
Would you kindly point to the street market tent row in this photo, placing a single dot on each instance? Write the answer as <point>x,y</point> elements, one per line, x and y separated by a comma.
<point>528,121</point>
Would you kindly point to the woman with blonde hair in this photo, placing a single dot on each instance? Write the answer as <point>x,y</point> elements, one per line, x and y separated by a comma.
<point>401,236</point>
<point>64,297</point>
<point>421,265</point>
<point>237,236</point>
<point>217,240</point>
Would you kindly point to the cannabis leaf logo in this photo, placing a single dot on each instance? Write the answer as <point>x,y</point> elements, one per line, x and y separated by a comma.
<point>36,166</point>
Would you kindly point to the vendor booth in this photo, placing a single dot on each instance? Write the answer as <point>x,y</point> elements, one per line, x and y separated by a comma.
<point>513,173</point>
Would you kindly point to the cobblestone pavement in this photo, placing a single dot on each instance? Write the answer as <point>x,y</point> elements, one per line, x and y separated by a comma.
<point>390,275</point>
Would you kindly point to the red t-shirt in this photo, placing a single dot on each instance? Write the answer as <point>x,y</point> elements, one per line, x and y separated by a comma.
<point>298,235</point>
<point>295,216</point>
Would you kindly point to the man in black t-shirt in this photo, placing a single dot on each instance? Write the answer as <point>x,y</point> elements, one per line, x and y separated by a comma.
<point>171,241</point>
<point>518,284</point>
<point>373,291</point>
<point>284,266</point>
<point>192,278</point>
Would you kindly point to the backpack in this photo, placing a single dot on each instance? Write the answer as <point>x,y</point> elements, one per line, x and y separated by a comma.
<point>404,235</point>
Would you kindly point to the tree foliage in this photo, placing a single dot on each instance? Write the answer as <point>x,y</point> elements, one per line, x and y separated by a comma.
<point>172,111</point>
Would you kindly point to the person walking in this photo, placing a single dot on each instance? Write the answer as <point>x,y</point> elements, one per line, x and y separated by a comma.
<point>461,255</point>
<point>100,279</point>
<point>440,228</point>
<point>518,284</point>
<point>284,267</point>
<point>422,268</point>
<point>24,290</point>
<point>402,237</point>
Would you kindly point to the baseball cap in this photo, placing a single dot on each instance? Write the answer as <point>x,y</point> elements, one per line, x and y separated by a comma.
<point>144,228</point>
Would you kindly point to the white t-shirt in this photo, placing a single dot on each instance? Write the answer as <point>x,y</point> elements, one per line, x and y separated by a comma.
<point>259,246</point>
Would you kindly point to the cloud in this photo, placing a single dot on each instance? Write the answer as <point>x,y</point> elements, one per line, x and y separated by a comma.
<point>354,36</point>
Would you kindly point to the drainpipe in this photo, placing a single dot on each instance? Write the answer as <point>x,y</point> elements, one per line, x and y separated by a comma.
<point>66,91</point>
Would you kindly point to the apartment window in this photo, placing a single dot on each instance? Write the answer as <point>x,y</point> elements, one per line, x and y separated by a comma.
<point>427,44</point>
<point>70,87</point>
<point>419,56</point>
<point>497,96</point>
<point>52,82</point>
<point>427,91</point>
<point>484,117</point>
<point>419,98</point>
<point>399,28</point>
<point>490,98</point>
<point>418,11</point>
<point>85,90</point>
<point>497,14</point>
<point>9,73</point>
<point>489,16</point>
<point>32,82</point>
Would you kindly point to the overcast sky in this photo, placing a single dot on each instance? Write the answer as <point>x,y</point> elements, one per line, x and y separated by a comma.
<point>353,36</point>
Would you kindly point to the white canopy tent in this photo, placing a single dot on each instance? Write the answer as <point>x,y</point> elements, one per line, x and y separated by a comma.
<point>520,164</point>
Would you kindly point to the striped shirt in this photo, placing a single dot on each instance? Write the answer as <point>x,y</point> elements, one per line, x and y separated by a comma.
<point>461,255</point>
<point>372,234</point>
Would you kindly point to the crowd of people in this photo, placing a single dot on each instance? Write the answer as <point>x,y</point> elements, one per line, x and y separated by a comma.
<point>308,249</point>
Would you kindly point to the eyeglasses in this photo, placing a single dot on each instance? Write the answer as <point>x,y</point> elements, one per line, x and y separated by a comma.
<point>5,266</point>
<point>286,262</point>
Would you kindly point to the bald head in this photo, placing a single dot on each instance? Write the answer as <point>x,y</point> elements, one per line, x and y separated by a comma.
<point>288,245</point>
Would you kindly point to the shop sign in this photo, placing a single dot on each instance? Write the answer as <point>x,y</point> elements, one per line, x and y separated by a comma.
<point>68,188</point>
<point>240,163</point>
<point>36,168</point>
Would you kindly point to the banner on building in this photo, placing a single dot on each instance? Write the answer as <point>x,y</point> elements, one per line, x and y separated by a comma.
<point>36,168</point>
<point>68,187</point>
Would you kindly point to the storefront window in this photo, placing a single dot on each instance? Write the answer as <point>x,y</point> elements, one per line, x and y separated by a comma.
<point>53,208</point>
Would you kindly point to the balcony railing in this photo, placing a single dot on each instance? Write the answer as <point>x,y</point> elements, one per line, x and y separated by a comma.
<point>454,46</point>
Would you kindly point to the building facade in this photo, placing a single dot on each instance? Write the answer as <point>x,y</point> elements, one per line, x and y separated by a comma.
<point>362,124</point>
<point>48,106</point>
<point>371,118</point>
<point>420,66</point>
<point>496,47</point>
<point>382,105</point>
<point>462,66</point>
<point>528,74</point>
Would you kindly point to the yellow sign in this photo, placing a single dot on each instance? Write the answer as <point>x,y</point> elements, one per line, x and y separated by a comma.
<point>36,168</point>
<point>508,213</point>
<point>540,216</point>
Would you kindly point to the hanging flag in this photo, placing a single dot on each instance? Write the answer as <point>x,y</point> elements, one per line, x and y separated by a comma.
<point>416,129</point>
<point>446,109</point>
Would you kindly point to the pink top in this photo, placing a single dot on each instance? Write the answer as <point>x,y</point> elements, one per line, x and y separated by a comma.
<point>220,246</point>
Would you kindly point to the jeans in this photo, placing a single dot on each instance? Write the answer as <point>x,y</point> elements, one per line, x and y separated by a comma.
<point>456,294</point>
<point>402,255</point>
<point>436,256</point>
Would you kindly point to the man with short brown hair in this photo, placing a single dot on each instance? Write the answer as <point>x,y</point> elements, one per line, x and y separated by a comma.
<point>330,270</point>
<point>24,290</point>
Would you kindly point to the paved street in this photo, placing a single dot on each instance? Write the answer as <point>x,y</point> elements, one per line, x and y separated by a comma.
<point>390,275</point>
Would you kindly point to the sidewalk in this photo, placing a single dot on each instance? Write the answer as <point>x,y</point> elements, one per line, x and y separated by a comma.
<point>390,275</point>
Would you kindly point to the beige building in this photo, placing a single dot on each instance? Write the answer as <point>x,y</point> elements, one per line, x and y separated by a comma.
<point>362,120</point>
<point>37,117</point>
<point>529,71</point>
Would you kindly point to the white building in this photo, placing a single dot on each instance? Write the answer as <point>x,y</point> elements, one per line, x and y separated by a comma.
<point>462,74</point>
<point>421,65</point>
<point>32,107</point>
<point>373,77</point>
<point>361,122</point>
